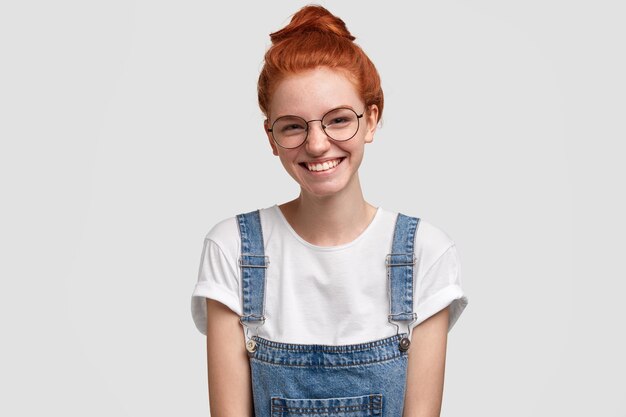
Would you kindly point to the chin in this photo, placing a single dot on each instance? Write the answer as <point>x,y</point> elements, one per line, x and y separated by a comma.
<point>323,187</point>
<point>323,190</point>
<point>322,194</point>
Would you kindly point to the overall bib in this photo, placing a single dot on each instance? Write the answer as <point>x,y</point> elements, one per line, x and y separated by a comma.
<point>355,380</point>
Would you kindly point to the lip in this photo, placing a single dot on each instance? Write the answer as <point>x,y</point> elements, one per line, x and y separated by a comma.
<point>321,161</point>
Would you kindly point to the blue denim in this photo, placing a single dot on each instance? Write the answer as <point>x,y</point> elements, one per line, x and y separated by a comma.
<point>356,380</point>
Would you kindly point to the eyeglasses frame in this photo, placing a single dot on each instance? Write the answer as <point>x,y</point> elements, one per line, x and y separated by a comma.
<point>358,120</point>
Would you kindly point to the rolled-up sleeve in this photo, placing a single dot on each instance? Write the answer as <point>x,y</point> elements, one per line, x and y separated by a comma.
<point>218,280</point>
<point>440,287</point>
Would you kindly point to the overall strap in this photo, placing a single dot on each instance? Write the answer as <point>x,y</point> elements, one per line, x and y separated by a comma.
<point>253,263</point>
<point>400,263</point>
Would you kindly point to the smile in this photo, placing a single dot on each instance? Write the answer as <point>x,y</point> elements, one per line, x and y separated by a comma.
<point>325,166</point>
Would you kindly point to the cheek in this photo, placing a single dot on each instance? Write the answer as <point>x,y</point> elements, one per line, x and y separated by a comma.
<point>287,158</point>
<point>357,147</point>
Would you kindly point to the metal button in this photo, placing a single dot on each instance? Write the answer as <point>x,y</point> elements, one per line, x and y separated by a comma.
<point>405,343</point>
<point>251,346</point>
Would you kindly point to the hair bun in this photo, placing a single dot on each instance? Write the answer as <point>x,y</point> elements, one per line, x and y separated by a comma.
<point>312,18</point>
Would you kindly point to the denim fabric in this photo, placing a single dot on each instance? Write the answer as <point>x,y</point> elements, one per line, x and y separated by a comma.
<point>400,269</point>
<point>253,263</point>
<point>356,380</point>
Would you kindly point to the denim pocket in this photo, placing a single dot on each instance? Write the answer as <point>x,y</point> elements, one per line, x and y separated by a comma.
<point>360,406</point>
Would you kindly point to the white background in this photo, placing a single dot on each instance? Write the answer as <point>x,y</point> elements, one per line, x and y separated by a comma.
<point>129,128</point>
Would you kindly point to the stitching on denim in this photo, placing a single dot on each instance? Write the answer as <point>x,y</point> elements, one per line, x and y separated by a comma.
<point>352,365</point>
<point>357,347</point>
<point>369,402</point>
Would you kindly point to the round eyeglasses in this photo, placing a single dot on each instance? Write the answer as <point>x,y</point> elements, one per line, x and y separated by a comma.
<point>339,124</point>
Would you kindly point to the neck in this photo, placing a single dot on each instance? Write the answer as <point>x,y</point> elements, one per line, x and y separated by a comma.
<point>330,220</point>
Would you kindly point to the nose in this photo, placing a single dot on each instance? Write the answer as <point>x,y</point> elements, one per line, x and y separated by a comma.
<point>317,142</point>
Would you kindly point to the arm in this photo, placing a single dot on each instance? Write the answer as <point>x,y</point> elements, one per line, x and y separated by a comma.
<point>230,386</point>
<point>425,373</point>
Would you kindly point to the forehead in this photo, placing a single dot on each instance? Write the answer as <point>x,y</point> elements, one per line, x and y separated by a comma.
<point>311,93</point>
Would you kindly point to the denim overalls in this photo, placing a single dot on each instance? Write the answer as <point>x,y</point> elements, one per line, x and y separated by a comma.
<point>356,380</point>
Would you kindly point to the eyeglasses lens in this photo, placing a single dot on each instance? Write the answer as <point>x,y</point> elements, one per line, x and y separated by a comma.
<point>339,124</point>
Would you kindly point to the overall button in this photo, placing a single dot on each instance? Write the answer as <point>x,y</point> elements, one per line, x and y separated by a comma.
<point>405,343</point>
<point>251,346</point>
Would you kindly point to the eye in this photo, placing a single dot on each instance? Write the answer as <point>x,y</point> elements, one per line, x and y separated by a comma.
<point>291,127</point>
<point>338,120</point>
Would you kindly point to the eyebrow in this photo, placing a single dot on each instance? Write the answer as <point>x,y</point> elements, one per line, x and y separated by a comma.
<point>330,109</point>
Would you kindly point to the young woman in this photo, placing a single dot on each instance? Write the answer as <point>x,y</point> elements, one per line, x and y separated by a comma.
<point>326,304</point>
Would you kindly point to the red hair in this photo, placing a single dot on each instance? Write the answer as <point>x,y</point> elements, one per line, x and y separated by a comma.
<point>314,37</point>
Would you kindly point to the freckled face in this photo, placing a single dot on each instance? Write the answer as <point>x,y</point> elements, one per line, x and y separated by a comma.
<point>321,166</point>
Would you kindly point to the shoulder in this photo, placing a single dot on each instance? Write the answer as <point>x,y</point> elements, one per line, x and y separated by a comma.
<point>431,240</point>
<point>432,243</point>
<point>225,233</point>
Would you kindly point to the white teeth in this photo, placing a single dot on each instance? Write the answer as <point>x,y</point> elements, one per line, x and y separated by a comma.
<point>323,167</point>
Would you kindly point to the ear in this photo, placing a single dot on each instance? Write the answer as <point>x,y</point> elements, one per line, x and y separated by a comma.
<point>371,122</point>
<point>269,137</point>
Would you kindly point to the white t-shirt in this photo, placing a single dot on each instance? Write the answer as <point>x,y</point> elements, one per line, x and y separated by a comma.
<point>328,295</point>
